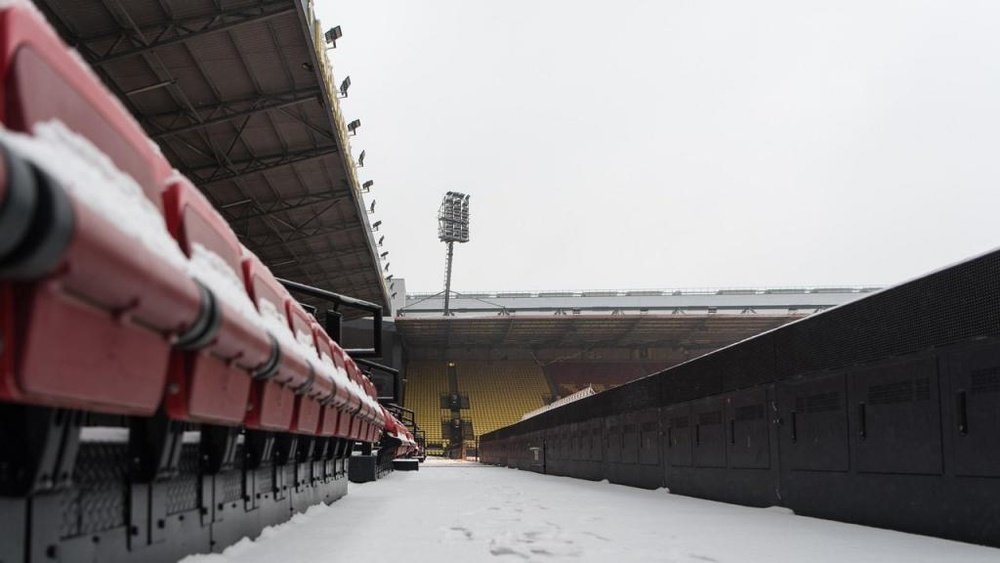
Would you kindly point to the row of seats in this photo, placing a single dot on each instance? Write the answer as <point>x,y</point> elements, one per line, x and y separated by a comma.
<point>122,290</point>
<point>396,431</point>
<point>501,392</point>
<point>425,382</point>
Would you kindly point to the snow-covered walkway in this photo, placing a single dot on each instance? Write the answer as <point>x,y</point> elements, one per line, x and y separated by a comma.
<point>456,512</point>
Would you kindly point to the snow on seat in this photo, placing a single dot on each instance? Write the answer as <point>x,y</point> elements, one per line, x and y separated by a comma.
<point>272,401</point>
<point>309,402</point>
<point>94,294</point>
<point>212,384</point>
<point>377,421</point>
<point>335,418</point>
<point>364,422</point>
<point>395,430</point>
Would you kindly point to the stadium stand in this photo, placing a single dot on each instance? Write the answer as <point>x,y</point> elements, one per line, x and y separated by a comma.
<point>426,381</point>
<point>501,392</point>
<point>498,393</point>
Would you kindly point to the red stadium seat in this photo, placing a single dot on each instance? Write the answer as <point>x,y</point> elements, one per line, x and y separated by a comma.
<point>91,304</point>
<point>308,407</point>
<point>356,403</point>
<point>212,384</point>
<point>272,403</point>
<point>335,420</point>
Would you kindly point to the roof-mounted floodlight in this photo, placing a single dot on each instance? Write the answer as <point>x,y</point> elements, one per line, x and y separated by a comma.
<point>353,126</point>
<point>332,35</point>
<point>367,186</point>
<point>384,254</point>
<point>361,160</point>
<point>376,225</point>
<point>344,86</point>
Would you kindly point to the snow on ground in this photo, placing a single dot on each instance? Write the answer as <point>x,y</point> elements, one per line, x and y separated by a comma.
<point>460,511</point>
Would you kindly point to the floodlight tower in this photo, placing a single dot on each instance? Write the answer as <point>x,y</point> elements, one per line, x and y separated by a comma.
<point>453,226</point>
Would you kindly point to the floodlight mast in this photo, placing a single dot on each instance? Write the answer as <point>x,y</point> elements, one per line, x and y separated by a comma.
<point>453,226</point>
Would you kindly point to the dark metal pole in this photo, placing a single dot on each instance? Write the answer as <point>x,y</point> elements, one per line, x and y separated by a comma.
<point>447,277</point>
<point>340,300</point>
<point>334,324</point>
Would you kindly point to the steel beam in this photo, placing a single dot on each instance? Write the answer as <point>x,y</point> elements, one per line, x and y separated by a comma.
<point>242,168</point>
<point>186,30</point>
<point>320,232</point>
<point>349,252</point>
<point>283,206</point>
<point>258,105</point>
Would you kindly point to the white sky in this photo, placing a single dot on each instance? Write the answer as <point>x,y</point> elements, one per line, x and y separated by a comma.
<point>637,144</point>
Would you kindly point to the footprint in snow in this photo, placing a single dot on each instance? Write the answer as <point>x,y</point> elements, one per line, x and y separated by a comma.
<point>458,533</point>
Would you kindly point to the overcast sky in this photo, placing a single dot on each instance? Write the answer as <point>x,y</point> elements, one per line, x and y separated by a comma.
<point>668,144</point>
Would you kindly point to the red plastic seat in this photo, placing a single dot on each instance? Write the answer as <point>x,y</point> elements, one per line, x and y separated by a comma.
<point>212,384</point>
<point>92,325</point>
<point>308,405</point>
<point>272,401</point>
<point>335,419</point>
<point>355,429</point>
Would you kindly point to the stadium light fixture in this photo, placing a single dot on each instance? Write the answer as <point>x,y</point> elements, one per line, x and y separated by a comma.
<point>332,35</point>
<point>384,254</point>
<point>376,225</point>
<point>381,239</point>
<point>367,186</point>
<point>344,86</point>
<point>372,208</point>
<point>353,126</point>
<point>361,160</point>
<point>453,226</point>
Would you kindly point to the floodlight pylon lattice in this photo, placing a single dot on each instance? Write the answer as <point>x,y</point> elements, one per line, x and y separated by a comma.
<point>453,226</point>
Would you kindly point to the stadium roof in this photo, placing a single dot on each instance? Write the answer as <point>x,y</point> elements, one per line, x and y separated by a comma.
<point>773,301</point>
<point>696,331</point>
<point>240,98</point>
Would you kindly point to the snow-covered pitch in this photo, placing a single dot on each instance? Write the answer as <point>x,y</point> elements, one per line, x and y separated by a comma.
<point>462,511</point>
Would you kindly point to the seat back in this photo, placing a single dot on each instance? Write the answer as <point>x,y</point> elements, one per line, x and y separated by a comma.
<point>215,381</point>
<point>112,302</point>
<point>44,80</point>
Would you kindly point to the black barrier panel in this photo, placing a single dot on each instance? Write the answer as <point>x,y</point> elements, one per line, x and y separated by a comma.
<point>630,438</point>
<point>578,431</point>
<point>939,309</point>
<point>882,412</point>
<point>596,450</point>
<point>749,416</point>
<point>649,437</point>
<point>678,439</point>
<point>688,381</point>
<point>709,433</point>
<point>613,439</point>
<point>972,399</point>
<point>896,420</point>
<point>814,431</point>
<point>744,364</point>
